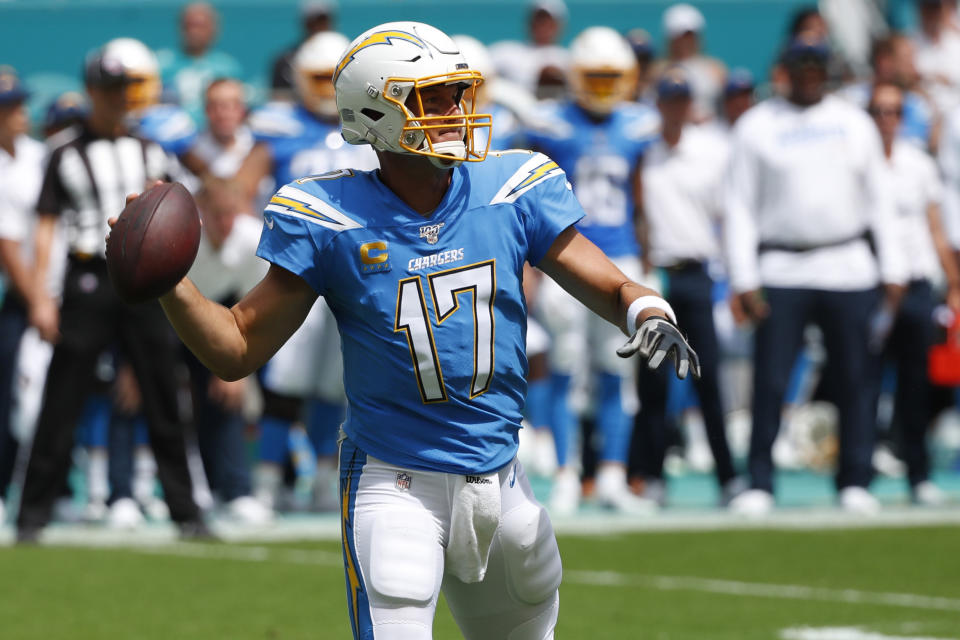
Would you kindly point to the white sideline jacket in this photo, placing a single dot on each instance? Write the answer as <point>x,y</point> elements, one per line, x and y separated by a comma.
<point>803,177</point>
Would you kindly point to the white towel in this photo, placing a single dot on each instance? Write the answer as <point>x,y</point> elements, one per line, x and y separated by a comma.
<point>473,523</point>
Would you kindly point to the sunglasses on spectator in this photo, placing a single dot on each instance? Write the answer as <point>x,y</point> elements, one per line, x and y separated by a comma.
<point>885,111</point>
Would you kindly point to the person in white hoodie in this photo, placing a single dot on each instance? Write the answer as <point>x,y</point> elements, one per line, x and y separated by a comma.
<point>805,201</point>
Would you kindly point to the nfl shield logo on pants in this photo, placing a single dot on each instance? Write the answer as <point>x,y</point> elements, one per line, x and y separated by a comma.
<point>403,481</point>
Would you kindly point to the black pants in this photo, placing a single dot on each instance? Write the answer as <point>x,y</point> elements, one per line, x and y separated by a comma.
<point>907,348</point>
<point>219,437</point>
<point>843,317</point>
<point>13,321</point>
<point>92,318</point>
<point>689,292</point>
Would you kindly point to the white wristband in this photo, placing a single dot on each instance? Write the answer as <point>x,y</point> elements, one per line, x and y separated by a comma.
<point>647,302</point>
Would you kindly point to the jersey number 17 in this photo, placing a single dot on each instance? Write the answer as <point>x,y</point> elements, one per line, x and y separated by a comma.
<point>413,318</point>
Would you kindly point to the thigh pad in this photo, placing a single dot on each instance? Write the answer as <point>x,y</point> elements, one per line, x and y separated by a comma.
<point>404,552</point>
<point>530,553</point>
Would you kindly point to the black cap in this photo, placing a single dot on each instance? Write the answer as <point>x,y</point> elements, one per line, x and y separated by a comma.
<point>640,42</point>
<point>738,80</point>
<point>11,89</point>
<point>673,84</point>
<point>67,107</point>
<point>104,71</point>
<point>804,47</point>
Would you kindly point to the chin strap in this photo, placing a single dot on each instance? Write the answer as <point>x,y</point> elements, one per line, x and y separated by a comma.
<point>455,148</point>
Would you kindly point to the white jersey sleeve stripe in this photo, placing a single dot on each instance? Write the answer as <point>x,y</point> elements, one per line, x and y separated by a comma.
<point>299,203</point>
<point>530,174</point>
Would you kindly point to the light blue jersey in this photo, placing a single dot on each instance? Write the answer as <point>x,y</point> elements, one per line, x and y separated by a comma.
<point>301,145</point>
<point>505,132</point>
<point>169,126</point>
<point>430,309</point>
<point>600,157</point>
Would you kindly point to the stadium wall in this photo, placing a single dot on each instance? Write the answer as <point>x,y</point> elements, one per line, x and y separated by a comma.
<point>46,40</point>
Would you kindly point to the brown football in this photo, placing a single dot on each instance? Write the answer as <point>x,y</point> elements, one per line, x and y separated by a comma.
<point>153,243</point>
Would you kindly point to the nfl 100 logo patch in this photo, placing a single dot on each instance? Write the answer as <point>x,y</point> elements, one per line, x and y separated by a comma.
<point>404,480</point>
<point>431,232</point>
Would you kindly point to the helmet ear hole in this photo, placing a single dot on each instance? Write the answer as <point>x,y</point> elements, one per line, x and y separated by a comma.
<point>372,113</point>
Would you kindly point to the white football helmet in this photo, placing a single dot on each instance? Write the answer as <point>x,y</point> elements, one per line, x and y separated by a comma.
<point>129,62</point>
<point>477,56</point>
<point>603,69</point>
<point>388,67</point>
<point>313,67</point>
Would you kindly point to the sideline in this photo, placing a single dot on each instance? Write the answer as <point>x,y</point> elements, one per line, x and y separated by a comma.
<point>589,522</point>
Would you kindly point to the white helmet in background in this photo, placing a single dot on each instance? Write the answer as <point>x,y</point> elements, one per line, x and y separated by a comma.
<point>392,63</point>
<point>477,56</point>
<point>129,63</point>
<point>313,67</point>
<point>603,69</point>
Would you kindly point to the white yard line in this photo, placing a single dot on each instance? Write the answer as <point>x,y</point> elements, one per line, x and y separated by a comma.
<point>762,590</point>
<point>595,578</point>
<point>843,633</point>
<point>244,553</point>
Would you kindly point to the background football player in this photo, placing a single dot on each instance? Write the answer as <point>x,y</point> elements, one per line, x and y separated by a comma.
<point>597,138</point>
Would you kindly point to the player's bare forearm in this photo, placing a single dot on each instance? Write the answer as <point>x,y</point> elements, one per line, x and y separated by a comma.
<point>581,268</point>
<point>235,342</point>
<point>209,330</point>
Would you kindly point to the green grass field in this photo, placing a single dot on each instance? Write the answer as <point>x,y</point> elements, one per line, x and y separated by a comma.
<point>892,583</point>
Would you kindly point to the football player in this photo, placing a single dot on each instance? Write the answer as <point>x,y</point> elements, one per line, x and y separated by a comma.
<point>421,264</point>
<point>293,141</point>
<point>597,138</point>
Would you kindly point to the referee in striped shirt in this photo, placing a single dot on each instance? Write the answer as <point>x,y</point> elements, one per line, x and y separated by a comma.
<point>86,182</point>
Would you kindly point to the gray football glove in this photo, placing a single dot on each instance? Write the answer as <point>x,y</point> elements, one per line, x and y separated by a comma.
<point>658,338</point>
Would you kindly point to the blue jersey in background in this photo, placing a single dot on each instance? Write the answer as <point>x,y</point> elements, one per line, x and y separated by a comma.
<point>302,145</point>
<point>600,157</point>
<point>170,126</point>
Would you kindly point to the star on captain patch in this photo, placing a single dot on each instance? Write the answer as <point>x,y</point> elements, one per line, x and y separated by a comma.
<point>404,480</point>
<point>431,232</point>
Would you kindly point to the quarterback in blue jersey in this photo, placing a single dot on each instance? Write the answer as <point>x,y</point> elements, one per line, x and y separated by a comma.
<point>295,140</point>
<point>421,263</point>
<point>597,138</point>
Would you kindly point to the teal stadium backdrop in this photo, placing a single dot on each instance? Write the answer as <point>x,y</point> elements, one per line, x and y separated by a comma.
<point>46,40</point>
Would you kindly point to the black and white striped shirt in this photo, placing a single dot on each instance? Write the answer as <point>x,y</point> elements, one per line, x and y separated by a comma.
<point>90,176</point>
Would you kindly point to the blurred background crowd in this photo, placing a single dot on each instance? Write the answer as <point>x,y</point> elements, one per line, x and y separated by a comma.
<point>799,207</point>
